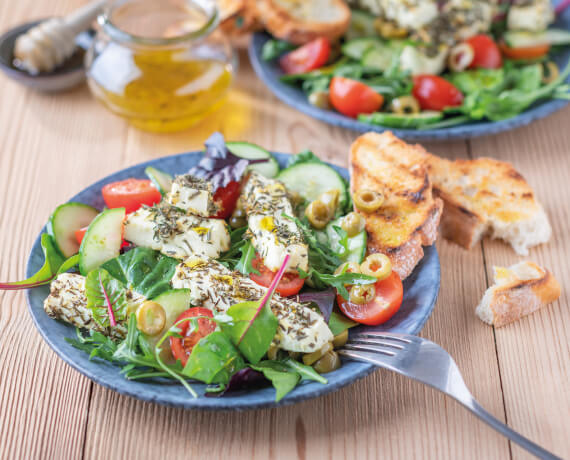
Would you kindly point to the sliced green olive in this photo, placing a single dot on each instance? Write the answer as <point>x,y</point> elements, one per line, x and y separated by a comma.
<point>340,339</point>
<point>296,198</point>
<point>328,363</point>
<point>313,357</point>
<point>353,223</point>
<point>320,99</point>
<point>237,222</point>
<point>405,105</point>
<point>318,214</point>
<point>460,57</point>
<point>550,72</point>
<point>239,212</point>
<point>377,265</point>
<point>272,352</point>
<point>330,199</point>
<point>368,200</point>
<point>347,267</point>
<point>151,318</point>
<point>388,29</point>
<point>362,293</point>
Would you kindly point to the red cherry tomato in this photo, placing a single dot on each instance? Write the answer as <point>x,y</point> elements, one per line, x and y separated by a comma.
<point>308,57</point>
<point>389,294</point>
<point>182,347</point>
<point>130,194</point>
<point>290,284</point>
<point>226,197</point>
<point>351,97</point>
<point>486,53</point>
<point>528,52</point>
<point>435,93</point>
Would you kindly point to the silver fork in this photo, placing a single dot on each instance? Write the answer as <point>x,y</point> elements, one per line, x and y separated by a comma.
<point>427,362</point>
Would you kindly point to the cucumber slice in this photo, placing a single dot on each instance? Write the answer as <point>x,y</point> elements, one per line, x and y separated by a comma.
<point>65,220</point>
<point>103,239</point>
<point>394,120</point>
<point>312,179</point>
<point>254,152</point>
<point>361,25</point>
<point>356,245</point>
<point>174,302</point>
<point>522,39</point>
<point>355,49</point>
<point>161,180</point>
<point>378,57</point>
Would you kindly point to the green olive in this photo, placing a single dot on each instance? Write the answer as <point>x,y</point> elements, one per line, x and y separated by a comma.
<point>347,267</point>
<point>460,57</point>
<point>239,212</point>
<point>151,318</point>
<point>388,29</point>
<point>405,105</point>
<point>550,72</point>
<point>330,199</point>
<point>311,358</point>
<point>272,352</point>
<point>368,200</point>
<point>362,293</point>
<point>377,265</point>
<point>353,223</point>
<point>296,198</point>
<point>237,222</point>
<point>320,99</point>
<point>318,214</point>
<point>340,339</point>
<point>328,363</point>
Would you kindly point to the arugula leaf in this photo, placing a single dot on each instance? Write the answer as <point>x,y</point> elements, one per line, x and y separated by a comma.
<point>470,81</point>
<point>106,298</point>
<point>306,156</point>
<point>337,281</point>
<point>283,378</point>
<point>253,340</point>
<point>306,372</point>
<point>53,261</point>
<point>339,323</point>
<point>214,359</point>
<point>272,49</point>
<point>144,270</point>
<point>247,255</point>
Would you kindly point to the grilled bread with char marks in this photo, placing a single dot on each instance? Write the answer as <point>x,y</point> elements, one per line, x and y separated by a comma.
<point>410,215</point>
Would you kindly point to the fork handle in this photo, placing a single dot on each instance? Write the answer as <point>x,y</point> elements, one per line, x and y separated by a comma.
<point>499,426</point>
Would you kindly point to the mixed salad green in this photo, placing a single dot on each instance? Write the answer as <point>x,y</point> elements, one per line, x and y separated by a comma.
<point>450,70</point>
<point>235,274</point>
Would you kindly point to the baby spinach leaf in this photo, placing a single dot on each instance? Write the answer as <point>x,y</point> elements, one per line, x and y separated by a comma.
<point>252,330</point>
<point>272,49</point>
<point>106,298</point>
<point>144,270</point>
<point>214,359</point>
<point>282,377</point>
<point>306,372</point>
<point>324,300</point>
<point>339,323</point>
<point>306,156</point>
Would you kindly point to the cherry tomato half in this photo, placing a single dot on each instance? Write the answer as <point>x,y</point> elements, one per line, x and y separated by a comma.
<point>351,97</point>
<point>130,194</point>
<point>528,52</point>
<point>290,284</point>
<point>435,93</point>
<point>226,197</point>
<point>486,54</point>
<point>308,57</point>
<point>389,294</point>
<point>182,347</point>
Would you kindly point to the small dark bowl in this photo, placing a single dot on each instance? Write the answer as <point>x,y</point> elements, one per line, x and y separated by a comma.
<point>69,75</point>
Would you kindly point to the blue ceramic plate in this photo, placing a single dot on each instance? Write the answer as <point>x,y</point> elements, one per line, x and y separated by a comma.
<point>420,289</point>
<point>269,72</point>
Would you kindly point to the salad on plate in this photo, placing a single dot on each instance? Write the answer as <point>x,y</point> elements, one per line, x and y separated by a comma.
<point>427,64</point>
<point>234,273</point>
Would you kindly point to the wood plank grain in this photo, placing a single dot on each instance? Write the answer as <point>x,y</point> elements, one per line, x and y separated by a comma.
<point>534,353</point>
<point>382,415</point>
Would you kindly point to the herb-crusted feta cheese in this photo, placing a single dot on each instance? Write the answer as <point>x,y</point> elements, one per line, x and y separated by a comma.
<point>193,195</point>
<point>215,287</point>
<point>169,230</point>
<point>272,235</point>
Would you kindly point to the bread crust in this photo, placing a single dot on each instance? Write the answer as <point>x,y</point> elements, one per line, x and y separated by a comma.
<point>238,17</point>
<point>410,215</point>
<point>282,24</point>
<point>460,225</point>
<point>520,298</point>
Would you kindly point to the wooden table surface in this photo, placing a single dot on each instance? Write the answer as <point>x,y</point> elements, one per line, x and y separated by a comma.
<point>55,145</point>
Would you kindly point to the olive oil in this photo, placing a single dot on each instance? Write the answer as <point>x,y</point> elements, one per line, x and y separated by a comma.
<point>160,90</point>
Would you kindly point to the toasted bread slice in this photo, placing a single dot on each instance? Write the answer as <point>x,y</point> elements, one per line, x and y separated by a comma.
<point>410,215</point>
<point>238,17</point>
<point>300,21</point>
<point>486,196</point>
<point>518,291</point>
